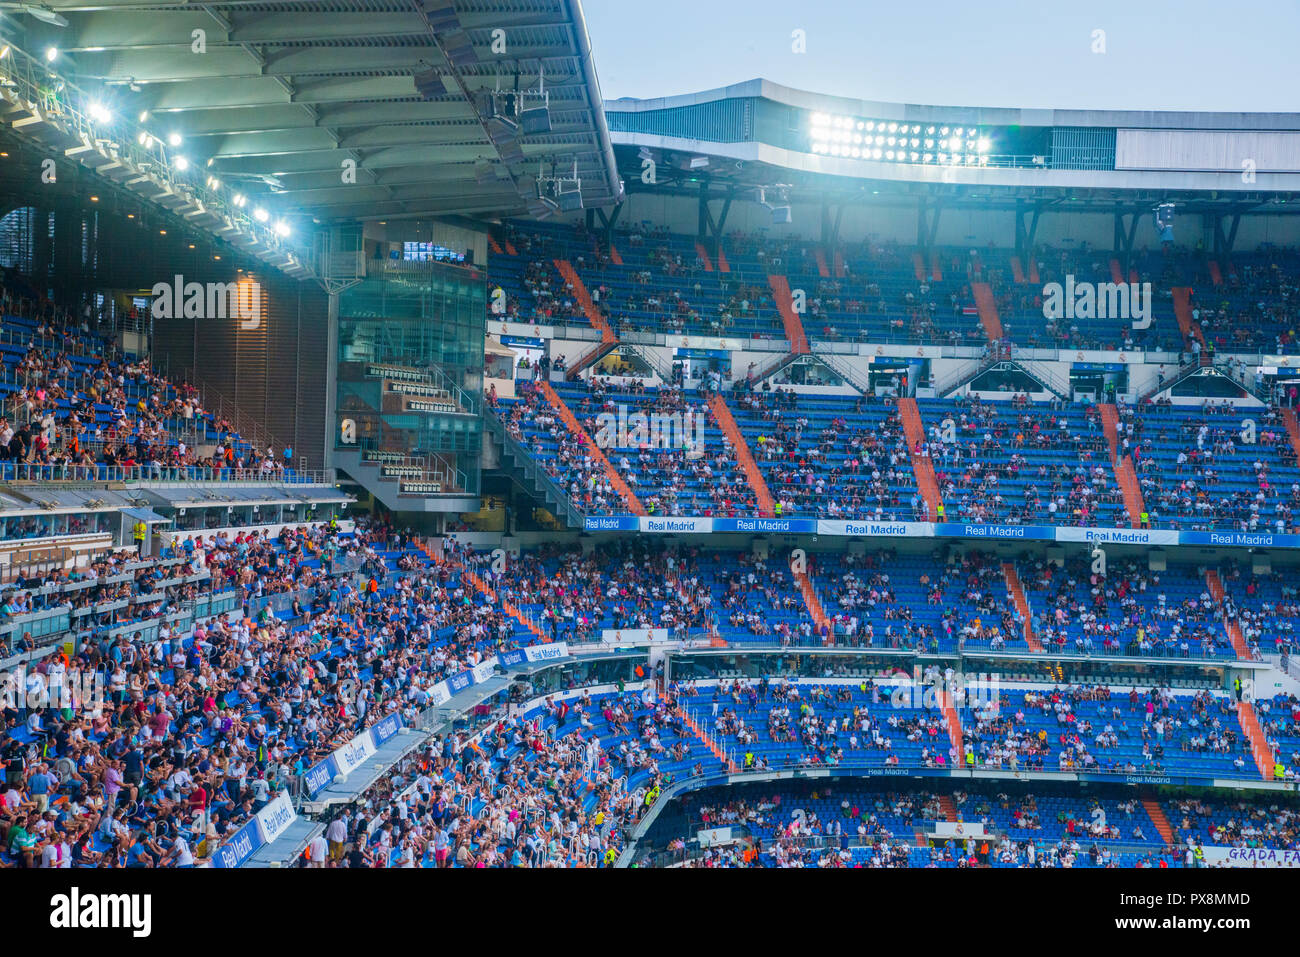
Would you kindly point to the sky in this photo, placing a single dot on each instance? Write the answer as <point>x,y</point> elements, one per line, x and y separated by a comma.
<point>1151,54</point>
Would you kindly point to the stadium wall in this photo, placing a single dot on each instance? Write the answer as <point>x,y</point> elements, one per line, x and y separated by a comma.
<point>275,373</point>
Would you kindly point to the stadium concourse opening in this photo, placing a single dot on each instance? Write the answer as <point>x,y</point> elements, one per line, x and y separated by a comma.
<point>412,459</point>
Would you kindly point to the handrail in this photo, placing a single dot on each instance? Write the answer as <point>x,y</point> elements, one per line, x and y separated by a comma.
<point>160,474</point>
<point>527,461</point>
<point>247,426</point>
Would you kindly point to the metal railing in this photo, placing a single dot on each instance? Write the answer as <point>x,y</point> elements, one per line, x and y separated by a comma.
<point>430,468</point>
<point>186,474</point>
<point>246,425</point>
<point>528,462</point>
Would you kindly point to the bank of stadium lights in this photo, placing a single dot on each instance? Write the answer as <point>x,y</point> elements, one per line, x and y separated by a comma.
<point>261,215</point>
<point>892,141</point>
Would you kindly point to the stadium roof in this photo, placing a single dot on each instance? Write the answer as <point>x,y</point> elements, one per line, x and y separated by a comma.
<point>760,133</point>
<point>283,96</point>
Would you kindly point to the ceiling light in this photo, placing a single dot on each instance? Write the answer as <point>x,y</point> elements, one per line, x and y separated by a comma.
<point>181,163</point>
<point>174,139</point>
<point>44,14</point>
<point>261,215</point>
<point>51,54</point>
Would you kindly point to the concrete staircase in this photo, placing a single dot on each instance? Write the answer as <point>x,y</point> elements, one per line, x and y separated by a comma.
<point>954,731</point>
<point>574,426</point>
<point>1215,585</point>
<point>914,429</point>
<point>794,331</point>
<point>1016,589</point>
<point>608,338</point>
<point>727,423</point>
<point>1250,727</point>
<point>709,743</point>
<point>1123,468</point>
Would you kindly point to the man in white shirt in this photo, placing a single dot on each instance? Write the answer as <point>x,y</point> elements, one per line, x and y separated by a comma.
<point>337,835</point>
<point>57,853</point>
<point>317,851</point>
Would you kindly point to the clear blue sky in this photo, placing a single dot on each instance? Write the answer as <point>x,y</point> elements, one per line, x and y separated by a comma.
<point>1160,54</point>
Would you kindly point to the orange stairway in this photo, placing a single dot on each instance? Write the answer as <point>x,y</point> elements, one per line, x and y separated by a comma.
<point>840,270</point>
<point>954,731</point>
<point>1216,274</point>
<point>494,246</point>
<point>1132,489</point>
<point>914,429</point>
<point>723,265</point>
<point>1124,474</point>
<point>988,310</point>
<point>1017,270</point>
<point>1215,585</point>
<point>1157,815</point>
<point>1110,422</point>
<point>1017,592</point>
<point>614,257</point>
<point>823,269</point>
<point>704,257</point>
<point>1183,311</point>
<point>936,269</point>
<point>949,808</point>
<point>1249,722</point>
<point>1292,429</point>
<point>1116,271</point>
<point>722,414</point>
<point>1033,271</point>
<point>608,338</point>
<point>573,425</point>
<point>814,604</point>
<point>511,249</point>
<point>506,606</point>
<point>598,322</point>
<point>918,265</point>
<point>1133,277</point>
<point>789,318</point>
<point>709,742</point>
